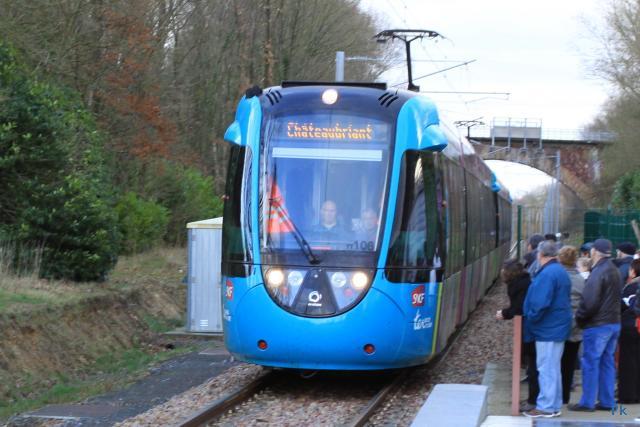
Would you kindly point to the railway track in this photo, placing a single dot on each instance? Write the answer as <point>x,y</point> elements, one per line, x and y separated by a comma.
<point>377,400</point>
<point>217,409</point>
<point>220,406</point>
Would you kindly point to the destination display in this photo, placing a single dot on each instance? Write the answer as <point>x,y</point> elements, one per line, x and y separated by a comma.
<point>335,128</point>
<point>310,131</point>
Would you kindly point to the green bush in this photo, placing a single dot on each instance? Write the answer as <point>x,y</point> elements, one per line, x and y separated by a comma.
<point>188,195</point>
<point>626,193</point>
<point>54,193</point>
<point>78,231</point>
<point>142,223</point>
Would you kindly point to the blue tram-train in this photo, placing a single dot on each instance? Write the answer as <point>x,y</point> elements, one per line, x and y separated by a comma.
<point>359,231</point>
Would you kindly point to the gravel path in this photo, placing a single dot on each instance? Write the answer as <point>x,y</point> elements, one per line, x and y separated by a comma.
<point>334,399</point>
<point>193,400</point>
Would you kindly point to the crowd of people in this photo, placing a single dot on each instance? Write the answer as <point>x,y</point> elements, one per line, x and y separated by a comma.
<point>580,308</point>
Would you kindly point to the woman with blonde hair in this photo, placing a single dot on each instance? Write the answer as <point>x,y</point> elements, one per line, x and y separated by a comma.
<point>568,257</point>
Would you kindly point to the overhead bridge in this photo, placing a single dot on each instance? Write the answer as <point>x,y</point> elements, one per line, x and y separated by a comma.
<point>573,156</point>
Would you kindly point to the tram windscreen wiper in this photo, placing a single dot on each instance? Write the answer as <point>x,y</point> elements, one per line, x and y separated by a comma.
<point>297,235</point>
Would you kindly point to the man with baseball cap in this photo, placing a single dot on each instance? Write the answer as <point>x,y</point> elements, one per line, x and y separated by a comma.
<point>624,255</point>
<point>599,315</point>
<point>547,315</point>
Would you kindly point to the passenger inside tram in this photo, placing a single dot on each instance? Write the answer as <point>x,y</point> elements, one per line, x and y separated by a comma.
<point>367,227</point>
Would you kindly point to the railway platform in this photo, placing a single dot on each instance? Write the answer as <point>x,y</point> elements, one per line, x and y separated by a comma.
<point>489,405</point>
<point>498,380</point>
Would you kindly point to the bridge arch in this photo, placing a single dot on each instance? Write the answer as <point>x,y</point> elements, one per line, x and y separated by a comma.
<point>578,161</point>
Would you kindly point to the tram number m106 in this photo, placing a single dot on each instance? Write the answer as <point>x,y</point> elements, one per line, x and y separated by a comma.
<point>363,245</point>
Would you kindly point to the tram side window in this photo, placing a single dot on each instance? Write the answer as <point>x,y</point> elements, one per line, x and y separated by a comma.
<point>474,212</point>
<point>505,221</point>
<point>236,227</point>
<point>489,221</point>
<point>416,252</point>
<point>456,221</point>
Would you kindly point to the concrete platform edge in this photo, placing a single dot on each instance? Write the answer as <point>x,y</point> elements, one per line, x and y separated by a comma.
<point>453,405</point>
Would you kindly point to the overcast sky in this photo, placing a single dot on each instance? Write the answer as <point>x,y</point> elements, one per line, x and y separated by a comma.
<point>540,52</point>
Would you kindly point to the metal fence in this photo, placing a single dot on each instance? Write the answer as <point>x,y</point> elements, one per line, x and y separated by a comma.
<point>578,225</point>
<point>613,225</point>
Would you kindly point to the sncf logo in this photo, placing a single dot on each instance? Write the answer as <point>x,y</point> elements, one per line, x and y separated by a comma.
<point>417,296</point>
<point>229,291</point>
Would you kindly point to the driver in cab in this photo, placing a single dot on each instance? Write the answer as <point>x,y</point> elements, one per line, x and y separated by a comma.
<point>328,228</point>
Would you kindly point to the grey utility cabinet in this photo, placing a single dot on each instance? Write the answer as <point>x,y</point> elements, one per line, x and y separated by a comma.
<point>204,299</point>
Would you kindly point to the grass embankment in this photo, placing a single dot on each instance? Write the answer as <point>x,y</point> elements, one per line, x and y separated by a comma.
<point>63,342</point>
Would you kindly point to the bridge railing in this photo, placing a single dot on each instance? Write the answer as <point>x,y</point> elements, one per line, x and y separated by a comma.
<point>555,134</point>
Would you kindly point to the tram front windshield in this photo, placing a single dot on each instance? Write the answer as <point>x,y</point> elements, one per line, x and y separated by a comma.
<point>323,188</point>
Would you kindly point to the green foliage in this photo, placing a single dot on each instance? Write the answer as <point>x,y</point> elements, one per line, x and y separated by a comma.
<point>143,223</point>
<point>78,230</point>
<point>11,298</point>
<point>54,193</point>
<point>626,192</point>
<point>159,325</point>
<point>188,195</point>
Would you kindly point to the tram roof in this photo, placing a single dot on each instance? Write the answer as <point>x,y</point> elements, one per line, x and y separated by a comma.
<point>296,83</point>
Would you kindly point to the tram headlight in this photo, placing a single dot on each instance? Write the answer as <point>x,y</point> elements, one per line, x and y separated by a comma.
<point>294,278</point>
<point>274,278</point>
<point>338,279</point>
<point>283,284</point>
<point>359,280</point>
<point>330,96</point>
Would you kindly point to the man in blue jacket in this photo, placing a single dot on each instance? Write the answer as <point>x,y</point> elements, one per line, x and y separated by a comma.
<point>547,314</point>
<point>599,315</point>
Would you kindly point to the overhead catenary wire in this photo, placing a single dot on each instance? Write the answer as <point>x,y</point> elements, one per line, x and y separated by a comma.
<point>393,9</point>
<point>436,72</point>
<point>460,94</point>
<point>447,81</point>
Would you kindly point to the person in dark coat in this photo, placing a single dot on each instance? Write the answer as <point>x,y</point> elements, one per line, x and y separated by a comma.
<point>624,255</point>
<point>532,249</point>
<point>629,344</point>
<point>547,313</point>
<point>599,316</point>
<point>518,280</point>
<point>531,258</point>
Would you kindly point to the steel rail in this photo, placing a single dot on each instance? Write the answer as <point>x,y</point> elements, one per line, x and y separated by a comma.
<point>377,400</point>
<point>220,406</point>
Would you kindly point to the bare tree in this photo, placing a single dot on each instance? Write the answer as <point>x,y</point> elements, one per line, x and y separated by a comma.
<point>619,64</point>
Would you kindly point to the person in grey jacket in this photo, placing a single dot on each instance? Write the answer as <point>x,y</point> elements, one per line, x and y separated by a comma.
<point>599,316</point>
<point>568,256</point>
